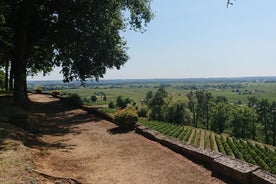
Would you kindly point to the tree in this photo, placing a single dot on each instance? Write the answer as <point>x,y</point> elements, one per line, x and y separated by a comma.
<point>220,117</point>
<point>221,99</point>
<point>94,98</point>
<point>207,107</point>
<point>273,110</point>
<point>148,98</point>
<point>121,102</point>
<point>263,112</point>
<point>192,106</point>
<point>104,97</point>
<point>252,101</point>
<point>244,119</point>
<point>83,37</point>
<point>157,105</point>
<point>111,105</point>
<point>178,114</point>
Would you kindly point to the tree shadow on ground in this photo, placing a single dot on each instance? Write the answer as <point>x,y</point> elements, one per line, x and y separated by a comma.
<point>119,130</point>
<point>52,118</point>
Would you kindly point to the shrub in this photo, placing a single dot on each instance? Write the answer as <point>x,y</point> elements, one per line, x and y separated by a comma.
<point>55,93</point>
<point>111,105</point>
<point>74,100</point>
<point>121,102</point>
<point>94,98</point>
<point>142,113</point>
<point>126,118</point>
<point>38,90</point>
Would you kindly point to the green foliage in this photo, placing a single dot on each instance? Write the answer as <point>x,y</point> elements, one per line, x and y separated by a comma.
<point>244,119</point>
<point>111,105</point>
<point>104,97</point>
<point>179,114</point>
<point>220,117</point>
<point>142,112</point>
<point>94,98</point>
<point>121,102</point>
<point>74,100</point>
<point>126,118</point>
<point>38,89</point>
<point>83,37</point>
<point>157,104</point>
<point>55,93</point>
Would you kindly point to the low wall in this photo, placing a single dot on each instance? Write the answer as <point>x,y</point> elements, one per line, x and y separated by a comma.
<point>236,170</point>
<point>262,177</point>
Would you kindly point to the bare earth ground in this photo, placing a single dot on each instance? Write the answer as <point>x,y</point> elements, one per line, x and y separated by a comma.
<point>74,144</point>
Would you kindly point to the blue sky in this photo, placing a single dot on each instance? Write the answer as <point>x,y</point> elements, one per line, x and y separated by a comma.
<point>195,38</point>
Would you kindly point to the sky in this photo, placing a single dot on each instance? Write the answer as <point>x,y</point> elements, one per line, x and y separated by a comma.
<point>195,38</point>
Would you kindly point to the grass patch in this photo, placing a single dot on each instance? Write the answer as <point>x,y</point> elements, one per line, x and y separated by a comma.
<point>15,160</point>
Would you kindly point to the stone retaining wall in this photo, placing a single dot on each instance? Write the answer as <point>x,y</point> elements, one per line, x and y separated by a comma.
<point>237,171</point>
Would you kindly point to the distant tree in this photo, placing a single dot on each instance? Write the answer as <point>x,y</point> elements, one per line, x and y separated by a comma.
<point>273,110</point>
<point>178,114</point>
<point>104,97</point>
<point>200,106</point>
<point>157,104</point>
<point>252,101</point>
<point>148,98</point>
<point>263,109</point>
<point>121,102</point>
<point>220,117</point>
<point>243,122</point>
<point>142,112</point>
<point>94,98</point>
<point>192,106</point>
<point>221,99</point>
<point>111,105</point>
<point>207,106</point>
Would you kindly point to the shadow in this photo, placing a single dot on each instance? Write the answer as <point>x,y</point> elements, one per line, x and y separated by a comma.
<point>53,118</point>
<point>118,130</point>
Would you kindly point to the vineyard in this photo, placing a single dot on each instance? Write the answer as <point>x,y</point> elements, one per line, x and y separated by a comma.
<point>251,152</point>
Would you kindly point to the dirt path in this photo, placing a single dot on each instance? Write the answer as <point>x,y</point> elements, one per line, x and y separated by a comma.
<point>201,145</point>
<point>78,145</point>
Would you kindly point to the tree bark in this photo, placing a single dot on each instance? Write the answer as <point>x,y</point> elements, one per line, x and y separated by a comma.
<point>21,32</point>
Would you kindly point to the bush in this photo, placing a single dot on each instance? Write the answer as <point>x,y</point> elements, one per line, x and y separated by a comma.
<point>111,105</point>
<point>55,93</point>
<point>142,113</point>
<point>38,90</point>
<point>74,100</point>
<point>126,118</point>
<point>121,102</point>
<point>93,98</point>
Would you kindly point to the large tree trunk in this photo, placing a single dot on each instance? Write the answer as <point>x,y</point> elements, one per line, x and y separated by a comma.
<point>21,31</point>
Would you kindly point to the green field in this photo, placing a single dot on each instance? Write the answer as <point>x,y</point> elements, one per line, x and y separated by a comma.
<point>235,92</point>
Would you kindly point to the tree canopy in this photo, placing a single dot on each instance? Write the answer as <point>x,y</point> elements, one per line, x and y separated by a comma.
<point>83,37</point>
